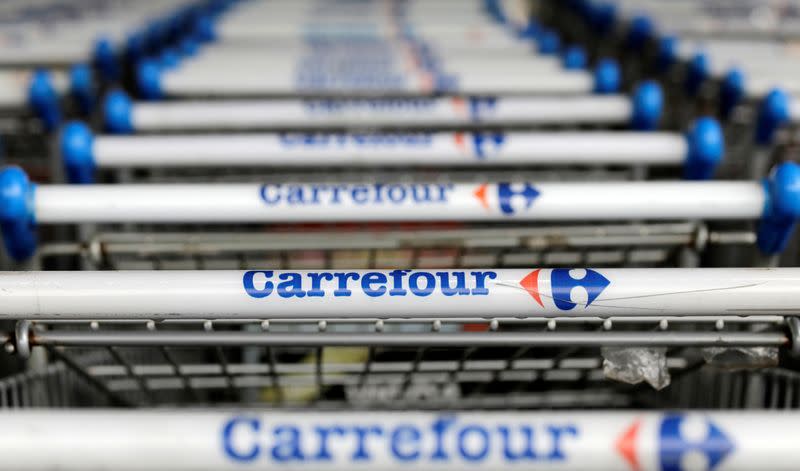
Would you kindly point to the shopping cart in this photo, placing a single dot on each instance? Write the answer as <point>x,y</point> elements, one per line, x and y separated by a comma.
<point>211,440</point>
<point>422,339</point>
<point>183,156</point>
<point>465,206</point>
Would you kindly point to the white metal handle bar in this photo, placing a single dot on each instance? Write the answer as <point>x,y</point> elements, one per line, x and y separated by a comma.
<point>354,294</point>
<point>640,111</point>
<point>172,440</point>
<point>22,204</point>
<point>156,82</point>
<point>82,152</point>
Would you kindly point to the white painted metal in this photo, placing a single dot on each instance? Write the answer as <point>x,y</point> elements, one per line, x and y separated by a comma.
<point>482,293</point>
<point>418,149</point>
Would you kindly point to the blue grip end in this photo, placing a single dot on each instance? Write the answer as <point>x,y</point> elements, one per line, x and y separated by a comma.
<point>148,79</point>
<point>188,47</point>
<point>81,85</point>
<point>648,104</point>
<point>574,58</point>
<point>530,31</point>
<point>117,108</point>
<point>104,57</point>
<point>204,29</point>
<point>602,17</point>
<point>17,219</point>
<point>667,53</point>
<point>696,73</point>
<point>731,92</point>
<point>781,210</point>
<point>135,47</point>
<point>77,154</point>
<point>169,59</point>
<point>640,30</point>
<point>706,148</point>
<point>549,43</point>
<point>44,100</point>
<point>772,114</point>
<point>607,77</point>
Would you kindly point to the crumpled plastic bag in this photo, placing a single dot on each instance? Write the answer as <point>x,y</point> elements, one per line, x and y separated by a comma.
<point>634,365</point>
<point>741,358</point>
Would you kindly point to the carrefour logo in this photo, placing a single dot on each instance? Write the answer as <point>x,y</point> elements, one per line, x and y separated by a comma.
<point>441,440</point>
<point>333,140</point>
<point>563,283</point>
<point>391,105</point>
<point>483,144</point>
<point>261,284</point>
<point>510,197</point>
<point>685,443</point>
<point>332,194</point>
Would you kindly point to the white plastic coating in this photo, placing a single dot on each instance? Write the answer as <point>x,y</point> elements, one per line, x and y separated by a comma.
<point>185,82</point>
<point>420,112</point>
<point>418,149</point>
<point>274,202</point>
<point>171,440</point>
<point>475,292</point>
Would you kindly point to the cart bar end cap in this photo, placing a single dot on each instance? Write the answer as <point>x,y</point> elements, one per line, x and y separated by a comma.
<point>549,43</point>
<point>81,85</point>
<point>782,208</point>
<point>607,77</point>
<point>76,145</point>
<point>648,104</point>
<point>148,79</point>
<point>772,114</point>
<point>697,73</point>
<point>16,213</point>
<point>43,99</point>
<point>706,148</point>
<point>639,32</point>
<point>667,53</point>
<point>105,58</point>
<point>602,16</point>
<point>117,108</point>
<point>574,58</point>
<point>204,29</point>
<point>731,91</point>
<point>170,58</point>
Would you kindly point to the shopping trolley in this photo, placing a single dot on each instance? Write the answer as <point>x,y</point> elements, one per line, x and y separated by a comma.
<point>211,440</point>
<point>640,111</point>
<point>213,156</point>
<point>487,208</point>
<point>406,338</point>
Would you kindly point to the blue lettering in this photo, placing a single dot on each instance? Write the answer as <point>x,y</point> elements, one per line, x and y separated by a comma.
<point>287,444</point>
<point>316,284</point>
<point>342,278</point>
<point>480,288</point>
<point>482,435</point>
<point>265,193</point>
<point>440,426</point>
<point>253,425</point>
<point>405,442</point>
<point>359,194</point>
<point>360,453</point>
<point>413,283</point>
<point>557,454</point>
<point>249,285</point>
<point>397,282</point>
<point>291,285</point>
<point>370,279</point>
<point>460,287</point>
<point>396,193</point>
<point>323,433</point>
<point>527,451</point>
